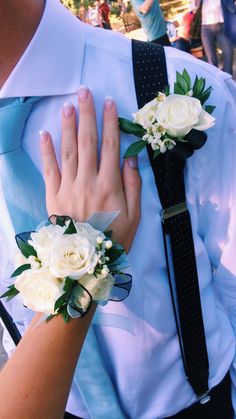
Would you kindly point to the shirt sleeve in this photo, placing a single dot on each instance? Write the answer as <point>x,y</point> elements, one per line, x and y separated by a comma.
<point>217,203</point>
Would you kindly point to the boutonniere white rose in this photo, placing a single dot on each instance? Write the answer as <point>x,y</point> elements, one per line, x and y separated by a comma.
<point>169,118</point>
<point>64,266</point>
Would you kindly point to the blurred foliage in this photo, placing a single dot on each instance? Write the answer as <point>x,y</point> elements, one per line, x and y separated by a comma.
<point>169,7</point>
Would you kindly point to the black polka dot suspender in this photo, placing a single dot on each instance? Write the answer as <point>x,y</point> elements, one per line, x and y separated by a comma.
<point>150,75</point>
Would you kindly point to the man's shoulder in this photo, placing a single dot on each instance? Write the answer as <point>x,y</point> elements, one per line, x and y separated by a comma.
<point>112,42</point>
<point>178,61</point>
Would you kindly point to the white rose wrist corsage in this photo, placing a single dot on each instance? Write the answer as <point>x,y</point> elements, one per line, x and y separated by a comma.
<point>171,120</point>
<point>65,265</point>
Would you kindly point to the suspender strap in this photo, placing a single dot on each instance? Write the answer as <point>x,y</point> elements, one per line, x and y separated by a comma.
<point>150,76</point>
<point>10,325</point>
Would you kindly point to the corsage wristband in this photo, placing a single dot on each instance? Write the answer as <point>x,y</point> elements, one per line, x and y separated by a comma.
<point>65,265</point>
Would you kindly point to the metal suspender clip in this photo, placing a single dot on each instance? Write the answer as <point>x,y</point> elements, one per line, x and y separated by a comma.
<point>204,398</point>
<point>173,211</point>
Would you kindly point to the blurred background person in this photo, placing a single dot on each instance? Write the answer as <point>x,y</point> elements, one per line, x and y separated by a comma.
<point>152,20</point>
<point>93,16</point>
<point>183,41</point>
<point>172,31</point>
<point>213,35</point>
<point>229,12</point>
<point>104,11</point>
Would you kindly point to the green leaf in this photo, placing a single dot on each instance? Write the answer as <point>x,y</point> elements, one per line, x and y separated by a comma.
<point>50,317</point>
<point>71,229</point>
<point>205,95</point>
<point>199,88</point>
<point>178,89</point>
<point>135,148</point>
<point>167,90</point>
<point>129,127</point>
<point>182,82</point>
<point>209,108</point>
<point>61,301</point>
<point>114,254</point>
<point>10,293</point>
<point>26,249</point>
<point>187,78</point>
<point>65,314</point>
<point>108,234</point>
<point>21,269</point>
<point>156,154</point>
<point>69,284</point>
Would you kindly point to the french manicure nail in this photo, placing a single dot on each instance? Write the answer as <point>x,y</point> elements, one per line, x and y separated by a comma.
<point>108,102</point>
<point>83,92</point>
<point>133,162</point>
<point>68,109</point>
<point>43,136</point>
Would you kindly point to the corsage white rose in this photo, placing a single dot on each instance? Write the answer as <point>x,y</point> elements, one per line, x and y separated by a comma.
<point>39,289</point>
<point>86,230</point>
<point>73,255</point>
<point>44,240</point>
<point>98,286</point>
<point>77,265</point>
<point>179,114</point>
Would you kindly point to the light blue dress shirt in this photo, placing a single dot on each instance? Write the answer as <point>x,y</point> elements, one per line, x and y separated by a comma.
<point>144,361</point>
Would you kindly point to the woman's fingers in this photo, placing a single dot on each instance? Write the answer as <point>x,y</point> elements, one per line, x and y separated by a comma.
<point>52,175</point>
<point>110,152</point>
<point>87,136</point>
<point>69,147</point>
<point>132,184</point>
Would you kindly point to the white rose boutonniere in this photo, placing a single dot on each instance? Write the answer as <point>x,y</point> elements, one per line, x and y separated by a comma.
<point>64,266</point>
<point>169,118</point>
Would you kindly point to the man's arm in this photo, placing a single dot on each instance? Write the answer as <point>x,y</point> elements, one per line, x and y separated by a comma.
<point>145,6</point>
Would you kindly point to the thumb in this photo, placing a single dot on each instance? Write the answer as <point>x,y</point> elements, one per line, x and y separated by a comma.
<point>132,188</point>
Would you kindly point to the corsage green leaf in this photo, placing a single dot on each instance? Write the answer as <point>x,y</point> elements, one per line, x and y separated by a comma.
<point>60,301</point>
<point>26,249</point>
<point>69,284</point>
<point>21,269</point>
<point>10,293</point>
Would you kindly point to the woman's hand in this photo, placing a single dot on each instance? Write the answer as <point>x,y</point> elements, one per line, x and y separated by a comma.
<point>84,185</point>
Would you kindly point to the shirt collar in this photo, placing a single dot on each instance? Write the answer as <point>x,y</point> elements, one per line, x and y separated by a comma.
<point>52,63</point>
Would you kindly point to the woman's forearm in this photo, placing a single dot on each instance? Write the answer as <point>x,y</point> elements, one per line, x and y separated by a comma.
<point>43,364</point>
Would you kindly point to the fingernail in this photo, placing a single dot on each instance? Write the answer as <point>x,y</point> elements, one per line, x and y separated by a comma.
<point>83,93</point>
<point>108,102</point>
<point>43,136</point>
<point>68,109</point>
<point>133,162</point>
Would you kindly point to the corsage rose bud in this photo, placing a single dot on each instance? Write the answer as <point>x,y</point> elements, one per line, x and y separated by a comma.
<point>98,286</point>
<point>108,244</point>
